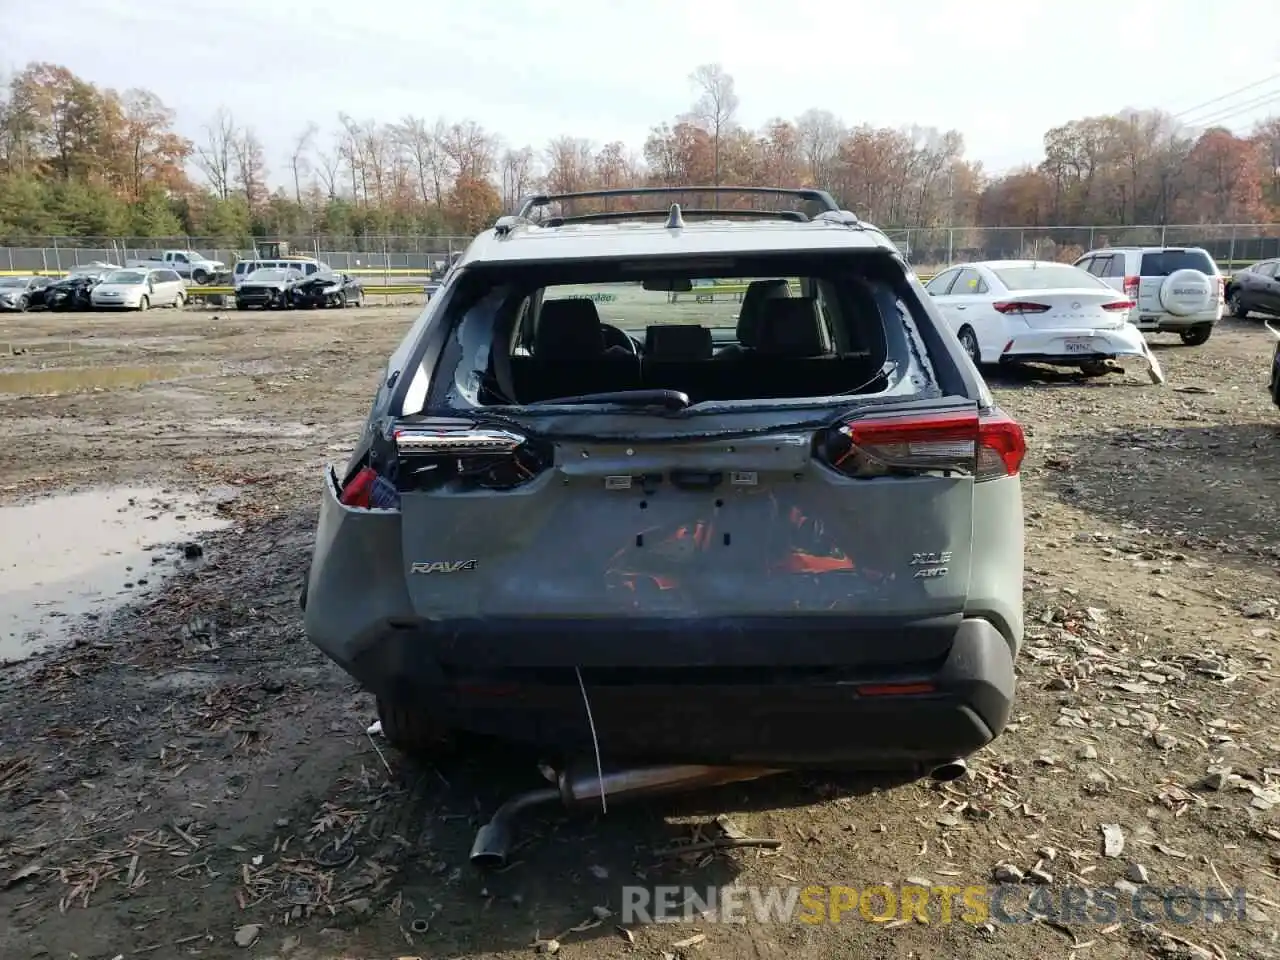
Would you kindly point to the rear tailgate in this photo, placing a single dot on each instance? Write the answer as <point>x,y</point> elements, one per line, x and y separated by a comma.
<point>1156,266</point>
<point>731,530</point>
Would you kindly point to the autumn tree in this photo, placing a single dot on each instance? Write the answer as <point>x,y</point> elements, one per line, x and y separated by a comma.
<point>715,109</point>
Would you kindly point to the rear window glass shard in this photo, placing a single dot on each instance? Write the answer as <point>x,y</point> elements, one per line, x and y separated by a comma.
<point>769,328</point>
<point>1166,262</point>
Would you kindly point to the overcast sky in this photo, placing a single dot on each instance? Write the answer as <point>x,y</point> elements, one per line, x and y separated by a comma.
<point>1000,72</point>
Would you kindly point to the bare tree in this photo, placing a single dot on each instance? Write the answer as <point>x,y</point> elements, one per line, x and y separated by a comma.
<point>518,175</point>
<point>250,167</point>
<point>424,145</point>
<point>820,134</point>
<point>214,157</point>
<point>716,106</point>
<point>298,159</point>
<point>329,166</point>
<point>349,150</point>
<point>472,150</point>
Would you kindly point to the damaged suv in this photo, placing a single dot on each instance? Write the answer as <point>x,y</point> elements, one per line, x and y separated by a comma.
<point>684,485</point>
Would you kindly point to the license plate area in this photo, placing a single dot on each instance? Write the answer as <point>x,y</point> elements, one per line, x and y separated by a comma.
<point>1078,345</point>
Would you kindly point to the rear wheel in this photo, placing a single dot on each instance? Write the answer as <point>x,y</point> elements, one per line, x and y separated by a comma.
<point>412,729</point>
<point>969,341</point>
<point>1196,335</point>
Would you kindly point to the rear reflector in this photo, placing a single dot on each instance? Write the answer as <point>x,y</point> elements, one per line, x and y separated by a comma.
<point>1119,305</point>
<point>951,443</point>
<point>896,689</point>
<point>1020,307</point>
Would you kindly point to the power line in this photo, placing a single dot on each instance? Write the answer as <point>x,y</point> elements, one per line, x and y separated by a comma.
<point>1219,99</point>
<point>1216,119</point>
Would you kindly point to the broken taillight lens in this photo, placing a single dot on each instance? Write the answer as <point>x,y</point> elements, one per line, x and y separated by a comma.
<point>960,443</point>
<point>435,454</point>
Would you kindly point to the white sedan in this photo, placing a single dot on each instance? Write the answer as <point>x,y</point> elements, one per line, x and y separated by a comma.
<point>1009,311</point>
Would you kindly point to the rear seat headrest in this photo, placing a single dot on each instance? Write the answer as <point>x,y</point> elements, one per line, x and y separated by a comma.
<point>677,341</point>
<point>758,291</point>
<point>568,330</point>
<point>789,328</point>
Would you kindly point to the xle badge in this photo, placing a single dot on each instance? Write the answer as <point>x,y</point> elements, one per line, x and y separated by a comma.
<point>929,566</point>
<point>442,566</point>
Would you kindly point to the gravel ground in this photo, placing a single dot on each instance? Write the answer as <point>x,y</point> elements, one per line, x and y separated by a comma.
<point>191,778</point>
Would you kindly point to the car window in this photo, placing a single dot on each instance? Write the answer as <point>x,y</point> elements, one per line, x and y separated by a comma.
<point>1046,276</point>
<point>1099,266</point>
<point>1085,263</point>
<point>1266,269</point>
<point>1115,268</point>
<point>968,284</point>
<point>180,258</point>
<point>171,277</point>
<point>940,284</point>
<point>1162,263</point>
<point>311,268</point>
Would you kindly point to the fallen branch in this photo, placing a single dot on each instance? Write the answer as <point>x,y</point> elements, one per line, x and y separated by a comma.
<point>721,843</point>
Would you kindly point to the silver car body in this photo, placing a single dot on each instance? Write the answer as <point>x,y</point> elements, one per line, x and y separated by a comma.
<point>139,289</point>
<point>826,571</point>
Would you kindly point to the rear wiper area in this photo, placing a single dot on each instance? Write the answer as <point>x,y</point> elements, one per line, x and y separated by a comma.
<point>672,400</point>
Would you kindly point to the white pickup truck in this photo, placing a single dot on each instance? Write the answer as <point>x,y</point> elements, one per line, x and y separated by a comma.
<point>186,263</point>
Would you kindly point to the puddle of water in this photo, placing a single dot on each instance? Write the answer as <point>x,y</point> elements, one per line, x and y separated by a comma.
<point>71,555</point>
<point>80,379</point>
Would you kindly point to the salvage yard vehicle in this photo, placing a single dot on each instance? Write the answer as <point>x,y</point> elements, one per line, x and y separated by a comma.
<point>1254,289</point>
<point>185,263</point>
<point>326,289</point>
<point>267,289</point>
<point>303,265</point>
<point>73,292</point>
<point>1174,289</point>
<point>715,540</point>
<point>139,290</point>
<point>1025,311</point>
<point>21,293</point>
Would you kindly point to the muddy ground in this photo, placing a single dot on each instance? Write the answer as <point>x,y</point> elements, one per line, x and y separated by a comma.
<point>193,779</point>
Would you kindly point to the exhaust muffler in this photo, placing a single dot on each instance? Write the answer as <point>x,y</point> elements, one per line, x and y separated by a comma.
<point>578,788</point>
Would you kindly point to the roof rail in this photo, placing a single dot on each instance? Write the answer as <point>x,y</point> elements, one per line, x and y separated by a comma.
<point>727,214</point>
<point>821,197</point>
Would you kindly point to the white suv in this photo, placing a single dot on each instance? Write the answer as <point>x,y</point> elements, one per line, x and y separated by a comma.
<point>304,266</point>
<point>1174,289</point>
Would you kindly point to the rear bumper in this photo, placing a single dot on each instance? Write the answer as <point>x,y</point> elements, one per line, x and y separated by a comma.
<point>1073,347</point>
<point>656,694</point>
<point>1168,323</point>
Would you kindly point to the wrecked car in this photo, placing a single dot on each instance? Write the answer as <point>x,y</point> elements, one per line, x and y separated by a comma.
<point>73,292</point>
<point>325,289</point>
<point>697,542</point>
<point>21,293</point>
<point>268,289</point>
<point>1033,311</point>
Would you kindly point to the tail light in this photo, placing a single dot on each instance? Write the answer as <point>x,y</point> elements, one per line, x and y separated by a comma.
<point>460,455</point>
<point>1017,308</point>
<point>1131,287</point>
<point>1119,305</point>
<point>949,443</point>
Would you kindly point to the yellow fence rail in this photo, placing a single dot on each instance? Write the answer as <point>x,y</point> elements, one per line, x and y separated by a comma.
<point>373,290</point>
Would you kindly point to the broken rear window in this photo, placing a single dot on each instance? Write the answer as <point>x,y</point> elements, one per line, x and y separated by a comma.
<point>750,328</point>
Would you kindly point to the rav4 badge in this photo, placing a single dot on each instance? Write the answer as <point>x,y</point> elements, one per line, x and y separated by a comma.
<point>442,566</point>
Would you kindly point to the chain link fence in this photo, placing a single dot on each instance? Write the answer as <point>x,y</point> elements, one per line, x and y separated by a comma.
<point>394,254</point>
<point>928,248</point>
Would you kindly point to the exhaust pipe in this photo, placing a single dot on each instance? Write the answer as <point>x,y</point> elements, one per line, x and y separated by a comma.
<point>951,770</point>
<point>576,789</point>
